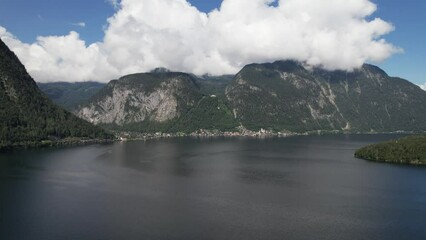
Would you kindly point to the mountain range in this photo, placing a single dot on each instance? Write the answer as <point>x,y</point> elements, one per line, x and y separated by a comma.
<point>284,96</point>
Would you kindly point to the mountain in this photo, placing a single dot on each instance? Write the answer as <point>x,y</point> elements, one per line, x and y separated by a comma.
<point>408,150</point>
<point>27,115</point>
<point>70,95</point>
<point>285,95</point>
<point>158,101</point>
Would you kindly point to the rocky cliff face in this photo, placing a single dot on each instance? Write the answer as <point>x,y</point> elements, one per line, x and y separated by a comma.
<point>154,97</point>
<point>286,96</point>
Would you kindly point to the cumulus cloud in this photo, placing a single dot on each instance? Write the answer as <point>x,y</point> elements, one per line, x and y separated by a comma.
<point>61,58</point>
<point>145,34</point>
<point>423,86</point>
<point>79,24</point>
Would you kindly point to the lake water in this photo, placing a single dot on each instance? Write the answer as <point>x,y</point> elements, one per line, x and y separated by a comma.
<point>308,187</point>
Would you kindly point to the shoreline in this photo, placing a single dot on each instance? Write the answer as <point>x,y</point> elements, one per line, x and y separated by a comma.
<point>123,136</point>
<point>412,163</point>
<point>52,144</point>
<point>138,136</point>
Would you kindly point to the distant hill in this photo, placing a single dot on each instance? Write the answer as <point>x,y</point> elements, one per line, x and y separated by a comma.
<point>70,95</point>
<point>286,95</point>
<point>408,150</point>
<point>27,115</point>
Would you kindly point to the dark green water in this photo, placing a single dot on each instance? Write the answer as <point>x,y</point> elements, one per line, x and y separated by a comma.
<point>293,188</point>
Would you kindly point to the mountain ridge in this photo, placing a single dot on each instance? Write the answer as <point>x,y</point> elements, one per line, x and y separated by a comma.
<point>331,100</point>
<point>283,96</point>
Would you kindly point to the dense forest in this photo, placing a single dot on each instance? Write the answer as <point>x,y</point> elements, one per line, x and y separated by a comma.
<point>27,116</point>
<point>408,150</point>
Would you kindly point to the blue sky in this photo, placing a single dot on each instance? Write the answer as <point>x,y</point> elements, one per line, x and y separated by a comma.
<point>27,19</point>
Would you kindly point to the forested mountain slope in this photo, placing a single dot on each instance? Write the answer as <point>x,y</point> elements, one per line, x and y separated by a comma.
<point>285,95</point>
<point>27,115</point>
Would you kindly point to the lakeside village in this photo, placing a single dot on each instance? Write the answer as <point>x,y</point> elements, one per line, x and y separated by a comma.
<point>243,132</point>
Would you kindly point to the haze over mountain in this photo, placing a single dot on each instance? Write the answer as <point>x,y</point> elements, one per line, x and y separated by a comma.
<point>27,115</point>
<point>70,95</point>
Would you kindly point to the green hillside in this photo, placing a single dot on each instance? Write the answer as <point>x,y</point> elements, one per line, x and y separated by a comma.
<point>27,115</point>
<point>211,113</point>
<point>284,95</point>
<point>408,150</point>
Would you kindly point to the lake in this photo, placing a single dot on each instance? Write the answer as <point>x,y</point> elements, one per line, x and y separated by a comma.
<point>308,187</point>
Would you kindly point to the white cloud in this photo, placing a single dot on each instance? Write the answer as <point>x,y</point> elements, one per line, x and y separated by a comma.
<point>79,24</point>
<point>61,58</point>
<point>423,86</point>
<point>144,34</point>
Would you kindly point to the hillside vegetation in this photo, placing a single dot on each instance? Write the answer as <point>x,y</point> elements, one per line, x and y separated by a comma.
<point>282,96</point>
<point>161,101</point>
<point>285,95</point>
<point>408,150</point>
<point>27,116</point>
